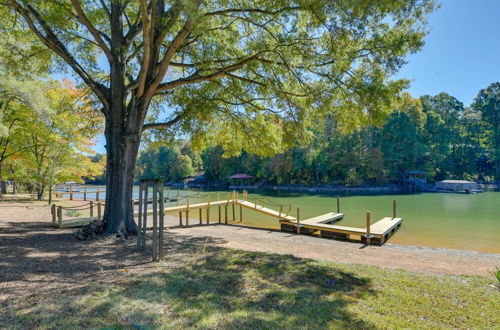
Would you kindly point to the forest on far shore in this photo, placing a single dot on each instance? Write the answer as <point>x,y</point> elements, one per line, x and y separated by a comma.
<point>437,134</point>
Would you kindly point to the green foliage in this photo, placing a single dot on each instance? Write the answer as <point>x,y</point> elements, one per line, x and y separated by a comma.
<point>433,133</point>
<point>168,163</point>
<point>50,127</point>
<point>250,76</point>
<point>487,103</point>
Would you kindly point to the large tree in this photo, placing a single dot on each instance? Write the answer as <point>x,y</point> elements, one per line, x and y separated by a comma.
<point>487,103</point>
<point>232,71</point>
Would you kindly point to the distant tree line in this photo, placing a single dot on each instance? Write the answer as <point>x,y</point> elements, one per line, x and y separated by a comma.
<point>436,134</point>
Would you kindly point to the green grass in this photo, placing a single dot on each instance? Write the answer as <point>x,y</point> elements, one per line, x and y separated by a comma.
<point>222,288</point>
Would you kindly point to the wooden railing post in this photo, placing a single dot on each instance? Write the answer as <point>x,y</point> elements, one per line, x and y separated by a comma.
<point>368,223</point>
<point>338,204</point>
<point>59,216</point>
<point>241,213</point>
<point>144,214</point>
<point>139,218</point>
<point>298,220</point>
<point>91,209</point>
<point>208,209</point>
<point>155,221</point>
<point>187,211</point>
<point>53,212</point>
<point>180,212</point>
<point>393,208</point>
<point>85,193</point>
<point>99,211</point>
<point>218,200</point>
<point>70,193</point>
<point>97,195</point>
<point>162,221</point>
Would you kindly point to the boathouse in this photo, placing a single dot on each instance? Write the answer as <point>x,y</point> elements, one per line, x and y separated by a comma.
<point>456,185</point>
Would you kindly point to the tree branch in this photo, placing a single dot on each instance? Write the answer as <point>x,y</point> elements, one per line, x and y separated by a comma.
<point>164,125</point>
<point>95,33</point>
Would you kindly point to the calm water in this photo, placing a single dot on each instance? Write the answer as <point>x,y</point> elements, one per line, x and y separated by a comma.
<point>455,221</point>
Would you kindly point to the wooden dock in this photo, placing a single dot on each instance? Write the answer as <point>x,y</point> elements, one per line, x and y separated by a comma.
<point>378,233</point>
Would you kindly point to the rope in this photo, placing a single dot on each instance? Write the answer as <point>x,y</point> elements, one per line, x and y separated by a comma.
<point>75,207</point>
<point>276,204</point>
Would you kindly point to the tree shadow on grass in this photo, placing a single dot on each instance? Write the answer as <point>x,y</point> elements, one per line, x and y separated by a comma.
<point>237,289</point>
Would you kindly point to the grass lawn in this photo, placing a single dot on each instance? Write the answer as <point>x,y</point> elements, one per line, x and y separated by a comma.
<point>222,288</point>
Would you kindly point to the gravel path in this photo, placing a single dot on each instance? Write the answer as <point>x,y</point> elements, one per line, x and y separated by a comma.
<point>410,258</point>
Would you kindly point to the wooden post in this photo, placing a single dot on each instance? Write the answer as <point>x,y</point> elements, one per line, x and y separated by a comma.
<point>208,209</point>
<point>281,210</point>
<point>225,219</point>
<point>97,195</point>
<point>393,208</point>
<point>85,193</point>
<point>338,204</point>
<point>298,220</point>
<point>162,220</point>
<point>92,209</point>
<point>187,211</point>
<point>53,212</point>
<point>234,214</point>
<point>180,212</point>
<point>139,216</point>
<point>368,222</point>
<point>144,215</point>
<point>59,216</point>
<point>218,200</point>
<point>241,213</point>
<point>99,211</point>
<point>155,220</point>
<point>70,193</point>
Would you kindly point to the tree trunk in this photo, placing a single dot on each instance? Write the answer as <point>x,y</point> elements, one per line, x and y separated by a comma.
<point>122,149</point>
<point>3,184</point>
<point>39,192</point>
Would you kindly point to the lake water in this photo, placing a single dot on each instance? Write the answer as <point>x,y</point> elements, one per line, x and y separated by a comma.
<point>455,221</point>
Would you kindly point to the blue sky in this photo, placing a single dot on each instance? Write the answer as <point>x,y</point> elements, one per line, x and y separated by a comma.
<point>461,54</point>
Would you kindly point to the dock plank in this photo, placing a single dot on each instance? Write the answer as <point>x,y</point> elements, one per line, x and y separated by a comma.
<point>384,225</point>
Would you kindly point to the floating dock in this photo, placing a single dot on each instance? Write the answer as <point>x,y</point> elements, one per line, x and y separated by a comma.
<point>378,233</point>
